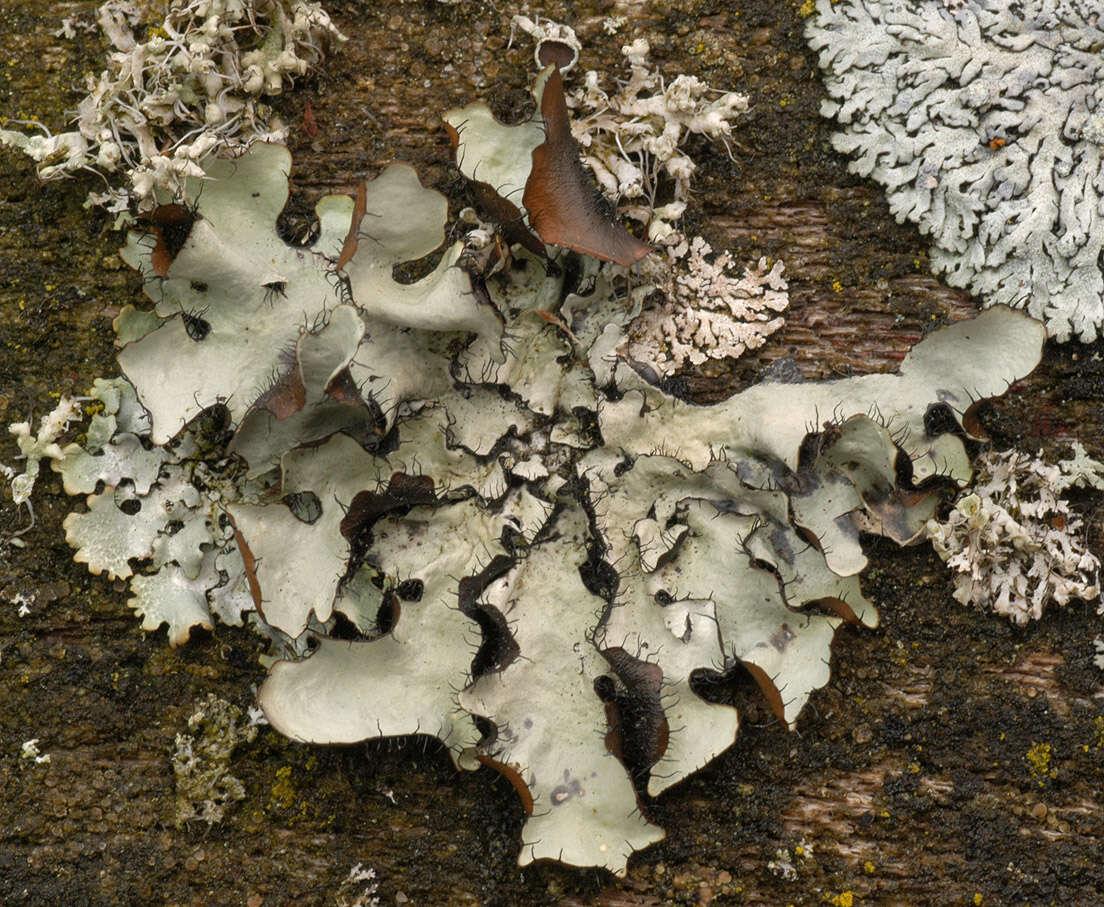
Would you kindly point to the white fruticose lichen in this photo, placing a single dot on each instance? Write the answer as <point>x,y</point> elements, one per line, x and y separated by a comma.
<point>984,120</point>
<point>543,30</point>
<point>359,888</point>
<point>29,750</point>
<point>23,602</point>
<point>633,139</point>
<point>205,789</point>
<point>461,512</point>
<point>786,865</point>
<point>42,445</point>
<point>33,449</point>
<point>634,136</point>
<point>194,86</point>
<point>1014,544</point>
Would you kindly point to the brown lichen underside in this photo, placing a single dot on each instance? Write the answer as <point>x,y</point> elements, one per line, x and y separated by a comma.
<point>910,776</point>
<point>563,204</point>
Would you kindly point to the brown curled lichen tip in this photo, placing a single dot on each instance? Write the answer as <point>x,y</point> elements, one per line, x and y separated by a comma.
<point>171,225</point>
<point>250,564</point>
<point>637,728</point>
<point>286,397</point>
<point>349,247</point>
<point>502,212</point>
<point>563,207</point>
<point>512,775</point>
<point>403,492</point>
<point>506,216</point>
<point>558,53</point>
<point>767,687</point>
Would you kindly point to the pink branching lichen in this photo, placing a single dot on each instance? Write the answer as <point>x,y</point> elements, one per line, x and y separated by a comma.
<point>707,312</point>
<point>1014,543</point>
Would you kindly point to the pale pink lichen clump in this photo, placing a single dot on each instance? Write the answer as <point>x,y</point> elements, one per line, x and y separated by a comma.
<point>1014,543</point>
<point>707,312</point>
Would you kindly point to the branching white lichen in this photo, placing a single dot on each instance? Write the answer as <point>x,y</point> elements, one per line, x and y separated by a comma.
<point>192,87</point>
<point>359,888</point>
<point>1014,544</point>
<point>23,602</point>
<point>543,30</point>
<point>29,750</point>
<point>205,789</point>
<point>984,120</point>
<point>38,447</point>
<point>706,311</point>
<point>633,137</point>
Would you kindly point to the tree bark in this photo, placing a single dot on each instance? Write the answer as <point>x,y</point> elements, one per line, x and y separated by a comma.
<point>952,758</point>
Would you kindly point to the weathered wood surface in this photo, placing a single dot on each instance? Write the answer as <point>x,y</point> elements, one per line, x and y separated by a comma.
<point>915,777</point>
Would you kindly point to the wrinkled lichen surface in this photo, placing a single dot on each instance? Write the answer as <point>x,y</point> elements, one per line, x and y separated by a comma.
<point>984,121</point>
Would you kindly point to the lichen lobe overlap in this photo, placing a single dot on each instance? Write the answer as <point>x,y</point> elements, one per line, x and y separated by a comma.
<point>497,533</point>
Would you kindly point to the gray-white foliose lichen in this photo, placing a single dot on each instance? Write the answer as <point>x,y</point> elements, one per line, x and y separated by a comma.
<point>984,120</point>
<point>458,510</point>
